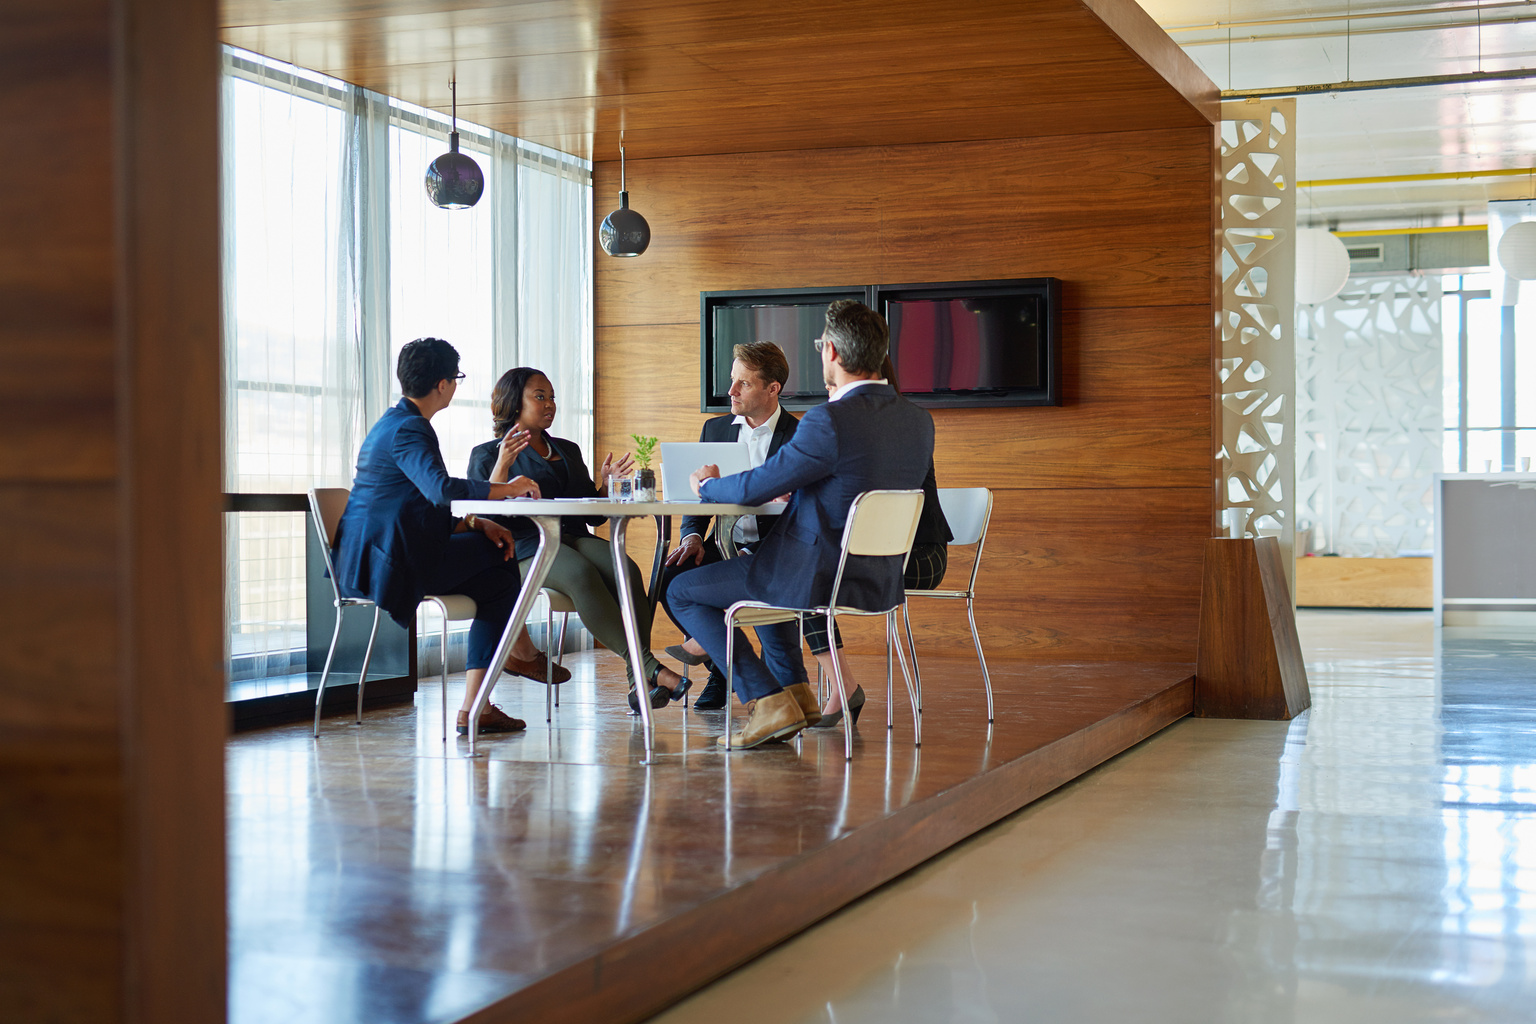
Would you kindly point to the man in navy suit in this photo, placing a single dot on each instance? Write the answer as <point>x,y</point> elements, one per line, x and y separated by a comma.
<point>759,372</point>
<point>398,541</point>
<point>866,437</point>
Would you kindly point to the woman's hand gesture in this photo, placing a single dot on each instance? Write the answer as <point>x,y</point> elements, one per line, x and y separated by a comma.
<point>610,469</point>
<point>512,442</point>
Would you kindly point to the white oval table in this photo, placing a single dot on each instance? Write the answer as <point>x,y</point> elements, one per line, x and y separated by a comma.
<point>546,513</point>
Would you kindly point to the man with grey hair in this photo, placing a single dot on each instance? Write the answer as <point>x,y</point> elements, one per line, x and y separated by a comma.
<point>865,438</point>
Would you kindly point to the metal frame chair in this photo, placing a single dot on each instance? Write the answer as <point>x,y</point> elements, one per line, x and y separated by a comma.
<point>880,523</point>
<point>969,512</point>
<point>557,602</point>
<point>326,505</point>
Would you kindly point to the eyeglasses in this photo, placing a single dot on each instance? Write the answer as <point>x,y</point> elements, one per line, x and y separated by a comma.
<point>818,343</point>
<point>458,377</point>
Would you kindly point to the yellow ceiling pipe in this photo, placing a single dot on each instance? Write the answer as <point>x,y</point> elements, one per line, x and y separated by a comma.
<point>1387,179</point>
<point>1439,230</point>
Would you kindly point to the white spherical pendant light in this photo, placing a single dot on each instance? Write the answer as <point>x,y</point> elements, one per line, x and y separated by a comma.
<point>1322,265</point>
<point>1517,251</point>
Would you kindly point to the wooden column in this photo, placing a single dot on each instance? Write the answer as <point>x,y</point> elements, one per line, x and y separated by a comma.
<point>1249,662</point>
<point>112,718</point>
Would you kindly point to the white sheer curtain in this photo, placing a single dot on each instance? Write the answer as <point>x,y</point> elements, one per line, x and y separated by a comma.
<point>334,259</point>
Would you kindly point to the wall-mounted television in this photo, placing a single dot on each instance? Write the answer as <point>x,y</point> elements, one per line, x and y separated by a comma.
<point>975,343</point>
<point>791,319</point>
<point>966,343</point>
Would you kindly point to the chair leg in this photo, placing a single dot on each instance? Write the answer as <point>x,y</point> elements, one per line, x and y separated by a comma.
<point>890,692</point>
<point>565,618</point>
<point>730,676</point>
<point>325,673</point>
<point>842,688</point>
<point>917,674</point>
<point>986,678</point>
<point>362,677</point>
<point>549,664</point>
<point>906,673</point>
<point>443,664</point>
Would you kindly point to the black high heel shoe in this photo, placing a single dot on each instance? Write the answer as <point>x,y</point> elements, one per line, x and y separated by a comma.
<point>855,706</point>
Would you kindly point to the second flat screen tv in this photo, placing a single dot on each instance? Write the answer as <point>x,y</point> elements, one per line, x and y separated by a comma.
<point>975,343</point>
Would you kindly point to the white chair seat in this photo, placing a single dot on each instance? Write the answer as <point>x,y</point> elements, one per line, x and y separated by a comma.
<point>939,593</point>
<point>558,602</point>
<point>457,607</point>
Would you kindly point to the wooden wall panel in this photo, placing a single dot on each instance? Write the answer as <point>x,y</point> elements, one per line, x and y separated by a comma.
<point>1103,504</point>
<point>111,715</point>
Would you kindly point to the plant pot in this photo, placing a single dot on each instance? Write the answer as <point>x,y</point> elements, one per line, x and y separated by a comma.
<point>645,485</point>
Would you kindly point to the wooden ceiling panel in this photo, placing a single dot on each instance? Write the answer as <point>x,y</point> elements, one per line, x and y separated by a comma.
<point>706,76</point>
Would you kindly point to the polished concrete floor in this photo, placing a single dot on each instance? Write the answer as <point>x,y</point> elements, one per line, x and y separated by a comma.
<point>1372,860</point>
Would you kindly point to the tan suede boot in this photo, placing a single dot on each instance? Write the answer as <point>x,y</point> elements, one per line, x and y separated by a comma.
<point>774,717</point>
<point>806,698</point>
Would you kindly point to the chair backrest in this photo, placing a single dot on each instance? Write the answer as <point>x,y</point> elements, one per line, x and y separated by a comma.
<point>326,504</point>
<point>882,523</point>
<point>967,509</point>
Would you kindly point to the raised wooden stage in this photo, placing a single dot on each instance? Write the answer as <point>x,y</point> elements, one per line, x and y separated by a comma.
<point>374,879</point>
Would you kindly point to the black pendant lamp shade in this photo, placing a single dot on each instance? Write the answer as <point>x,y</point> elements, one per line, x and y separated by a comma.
<point>624,231</point>
<point>454,180</point>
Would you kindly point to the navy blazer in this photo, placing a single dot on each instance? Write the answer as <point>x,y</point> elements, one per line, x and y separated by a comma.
<point>566,477</point>
<point>724,428</point>
<point>873,439</point>
<point>395,529</point>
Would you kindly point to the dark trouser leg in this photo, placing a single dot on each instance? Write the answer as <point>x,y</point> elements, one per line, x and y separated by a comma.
<point>700,598</point>
<point>477,569</point>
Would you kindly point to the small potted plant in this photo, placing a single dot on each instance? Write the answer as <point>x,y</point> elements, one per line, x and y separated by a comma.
<point>645,476</point>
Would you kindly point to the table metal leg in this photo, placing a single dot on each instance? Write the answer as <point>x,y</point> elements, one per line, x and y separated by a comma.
<point>549,547</point>
<point>618,526</point>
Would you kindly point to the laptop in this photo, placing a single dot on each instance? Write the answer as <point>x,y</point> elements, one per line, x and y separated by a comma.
<point>679,459</point>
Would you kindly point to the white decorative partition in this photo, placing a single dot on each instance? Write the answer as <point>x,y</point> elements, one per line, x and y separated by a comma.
<point>1257,372</point>
<point>1368,407</point>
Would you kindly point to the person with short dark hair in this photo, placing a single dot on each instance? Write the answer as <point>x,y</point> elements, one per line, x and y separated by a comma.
<point>759,372</point>
<point>522,411</point>
<point>866,437</point>
<point>398,540</point>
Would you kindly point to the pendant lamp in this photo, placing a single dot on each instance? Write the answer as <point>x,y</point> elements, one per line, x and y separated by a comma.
<point>454,180</point>
<point>624,231</point>
<point>1517,251</point>
<point>1322,265</point>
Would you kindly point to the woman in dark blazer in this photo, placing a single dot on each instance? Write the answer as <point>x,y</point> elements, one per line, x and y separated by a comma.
<point>523,404</point>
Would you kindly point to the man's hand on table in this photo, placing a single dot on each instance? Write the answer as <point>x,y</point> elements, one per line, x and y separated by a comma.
<point>517,487</point>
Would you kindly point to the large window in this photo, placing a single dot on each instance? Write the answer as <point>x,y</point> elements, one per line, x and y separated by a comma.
<point>1490,378</point>
<point>333,260</point>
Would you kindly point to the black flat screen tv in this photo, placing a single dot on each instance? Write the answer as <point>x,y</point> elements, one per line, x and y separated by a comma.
<point>966,343</point>
<point>792,319</point>
<point>975,343</point>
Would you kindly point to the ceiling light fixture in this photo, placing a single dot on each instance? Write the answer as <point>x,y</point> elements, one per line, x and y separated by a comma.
<point>624,231</point>
<point>454,180</point>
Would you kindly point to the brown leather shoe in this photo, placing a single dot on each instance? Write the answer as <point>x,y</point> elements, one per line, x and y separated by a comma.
<point>774,717</point>
<point>806,698</point>
<point>537,669</point>
<point>492,719</point>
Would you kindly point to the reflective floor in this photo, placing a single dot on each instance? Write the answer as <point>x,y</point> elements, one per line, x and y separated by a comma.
<point>377,875</point>
<point>1373,860</point>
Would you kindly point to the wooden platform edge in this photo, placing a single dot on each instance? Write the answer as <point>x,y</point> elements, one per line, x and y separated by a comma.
<point>640,976</point>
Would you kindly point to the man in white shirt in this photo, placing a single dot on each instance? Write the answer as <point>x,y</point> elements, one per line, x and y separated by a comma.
<point>759,372</point>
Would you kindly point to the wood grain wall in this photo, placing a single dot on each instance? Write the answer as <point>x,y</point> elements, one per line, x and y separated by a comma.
<point>111,706</point>
<point>1102,505</point>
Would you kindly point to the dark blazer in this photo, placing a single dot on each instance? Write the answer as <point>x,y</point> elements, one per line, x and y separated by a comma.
<point>932,527</point>
<point>870,440</point>
<point>395,529</point>
<point>565,477</point>
<point>723,428</point>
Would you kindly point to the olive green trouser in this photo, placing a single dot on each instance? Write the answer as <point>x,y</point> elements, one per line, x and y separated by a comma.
<point>583,571</point>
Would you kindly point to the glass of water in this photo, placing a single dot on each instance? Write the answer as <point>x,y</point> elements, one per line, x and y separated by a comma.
<point>624,488</point>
